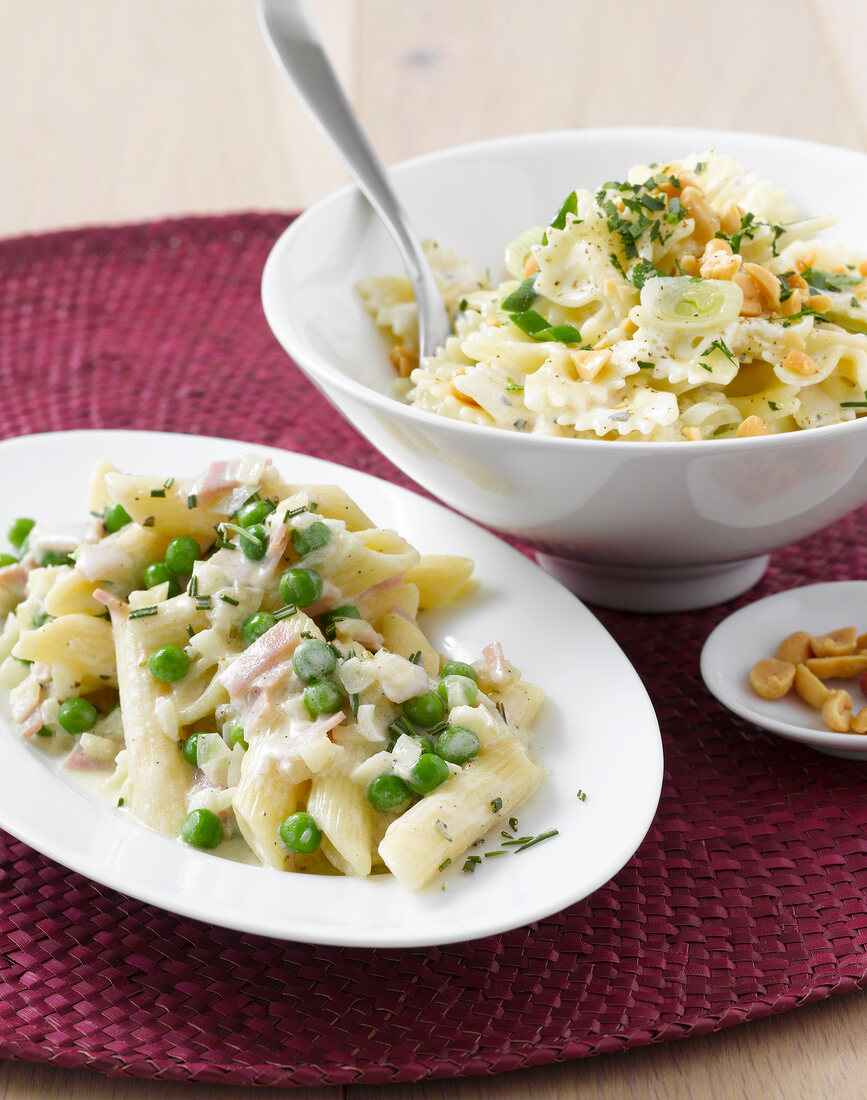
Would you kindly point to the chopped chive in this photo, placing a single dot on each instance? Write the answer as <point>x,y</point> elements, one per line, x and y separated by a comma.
<point>470,864</point>
<point>142,612</point>
<point>120,802</point>
<point>444,829</point>
<point>513,824</point>
<point>168,483</point>
<point>148,521</point>
<point>193,586</point>
<point>353,703</point>
<point>415,658</point>
<point>642,365</point>
<point>192,501</point>
<point>513,387</point>
<point>582,795</point>
<point>190,632</point>
<point>203,603</point>
<point>445,863</point>
<point>158,492</point>
<point>229,599</point>
<point>496,805</point>
<point>285,612</point>
<point>538,840</point>
<point>499,852</point>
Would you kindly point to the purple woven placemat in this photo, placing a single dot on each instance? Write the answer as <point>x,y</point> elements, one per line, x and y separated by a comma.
<point>748,896</point>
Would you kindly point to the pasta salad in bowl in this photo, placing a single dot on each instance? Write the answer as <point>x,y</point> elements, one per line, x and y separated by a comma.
<point>656,384</point>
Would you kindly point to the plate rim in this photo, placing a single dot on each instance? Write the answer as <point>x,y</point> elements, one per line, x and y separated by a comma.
<point>80,862</point>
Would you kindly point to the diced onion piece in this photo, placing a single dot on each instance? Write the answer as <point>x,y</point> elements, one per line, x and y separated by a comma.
<point>687,302</point>
<point>516,250</point>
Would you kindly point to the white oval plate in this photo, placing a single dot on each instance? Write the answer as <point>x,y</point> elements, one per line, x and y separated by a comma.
<point>597,732</point>
<point>755,631</point>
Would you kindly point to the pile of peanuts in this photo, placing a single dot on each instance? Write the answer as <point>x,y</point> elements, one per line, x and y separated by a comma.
<point>805,661</point>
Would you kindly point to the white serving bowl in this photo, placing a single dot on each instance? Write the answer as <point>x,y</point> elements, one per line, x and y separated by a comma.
<point>640,526</point>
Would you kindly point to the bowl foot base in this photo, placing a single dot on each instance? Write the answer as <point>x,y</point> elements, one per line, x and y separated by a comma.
<point>636,588</point>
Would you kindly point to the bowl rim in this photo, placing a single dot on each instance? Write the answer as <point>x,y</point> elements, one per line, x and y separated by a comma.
<point>323,374</point>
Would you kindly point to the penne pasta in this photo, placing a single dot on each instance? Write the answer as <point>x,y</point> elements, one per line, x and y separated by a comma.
<point>239,655</point>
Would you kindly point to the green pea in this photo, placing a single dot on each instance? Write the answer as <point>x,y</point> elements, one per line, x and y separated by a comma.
<point>236,736</point>
<point>389,794</point>
<point>18,531</point>
<point>8,559</point>
<point>202,829</point>
<point>322,697</point>
<point>253,512</point>
<point>331,618</point>
<point>456,689</point>
<point>77,715</point>
<point>255,543</point>
<point>459,668</point>
<point>158,573</point>
<point>182,553</point>
<point>300,586</point>
<point>254,626</point>
<point>300,833</point>
<point>425,710</point>
<point>425,744</point>
<point>114,517</point>
<point>313,660</point>
<point>427,773</point>
<point>307,539</point>
<point>169,664</point>
<point>457,744</point>
<point>55,557</point>
<point>190,750</point>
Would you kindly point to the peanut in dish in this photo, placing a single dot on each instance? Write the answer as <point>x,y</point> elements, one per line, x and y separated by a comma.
<point>804,661</point>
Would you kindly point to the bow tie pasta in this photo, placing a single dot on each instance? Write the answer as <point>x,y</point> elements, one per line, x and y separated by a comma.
<point>687,302</point>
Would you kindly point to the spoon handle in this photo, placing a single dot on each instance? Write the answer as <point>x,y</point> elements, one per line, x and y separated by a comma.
<point>295,45</point>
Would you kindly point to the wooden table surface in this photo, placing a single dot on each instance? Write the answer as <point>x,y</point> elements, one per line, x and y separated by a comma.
<point>118,111</point>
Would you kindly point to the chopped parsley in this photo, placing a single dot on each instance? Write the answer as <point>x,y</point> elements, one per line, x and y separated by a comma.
<point>829,280</point>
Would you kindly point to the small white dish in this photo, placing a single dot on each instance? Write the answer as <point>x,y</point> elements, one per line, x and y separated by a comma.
<point>551,637</point>
<point>660,526</point>
<point>755,631</point>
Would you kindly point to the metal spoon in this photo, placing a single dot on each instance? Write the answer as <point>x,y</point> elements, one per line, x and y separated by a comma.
<point>299,53</point>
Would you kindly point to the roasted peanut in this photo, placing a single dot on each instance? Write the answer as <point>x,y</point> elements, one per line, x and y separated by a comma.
<point>768,284</point>
<point>752,306</point>
<point>810,687</point>
<point>796,648</point>
<point>718,261</point>
<point>837,711</point>
<point>702,213</point>
<point>859,722</point>
<point>837,643</point>
<point>404,360</point>
<point>800,363</point>
<point>772,678</point>
<point>753,425</point>
<point>589,363</point>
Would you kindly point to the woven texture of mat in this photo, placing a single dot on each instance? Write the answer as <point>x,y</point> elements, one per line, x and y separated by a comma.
<point>748,896</point>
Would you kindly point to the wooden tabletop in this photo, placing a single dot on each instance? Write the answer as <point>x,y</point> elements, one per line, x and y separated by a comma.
<point>121,111</point>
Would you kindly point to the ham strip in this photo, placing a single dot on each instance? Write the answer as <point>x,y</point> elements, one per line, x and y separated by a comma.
<point>278,642</point>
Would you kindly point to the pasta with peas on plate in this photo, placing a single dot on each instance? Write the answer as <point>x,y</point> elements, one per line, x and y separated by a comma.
<point>689,301</point>
<point>236,653</point>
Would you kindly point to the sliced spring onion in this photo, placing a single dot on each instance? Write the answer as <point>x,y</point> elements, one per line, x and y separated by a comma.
<point>516,250</point>
<point>522,297</point>
<point>688,302</point>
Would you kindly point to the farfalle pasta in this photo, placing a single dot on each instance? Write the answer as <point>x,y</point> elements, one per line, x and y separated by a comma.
<point>690,301</point>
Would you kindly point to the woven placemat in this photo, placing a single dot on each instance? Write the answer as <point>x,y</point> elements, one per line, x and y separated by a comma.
<point>748,896</point>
